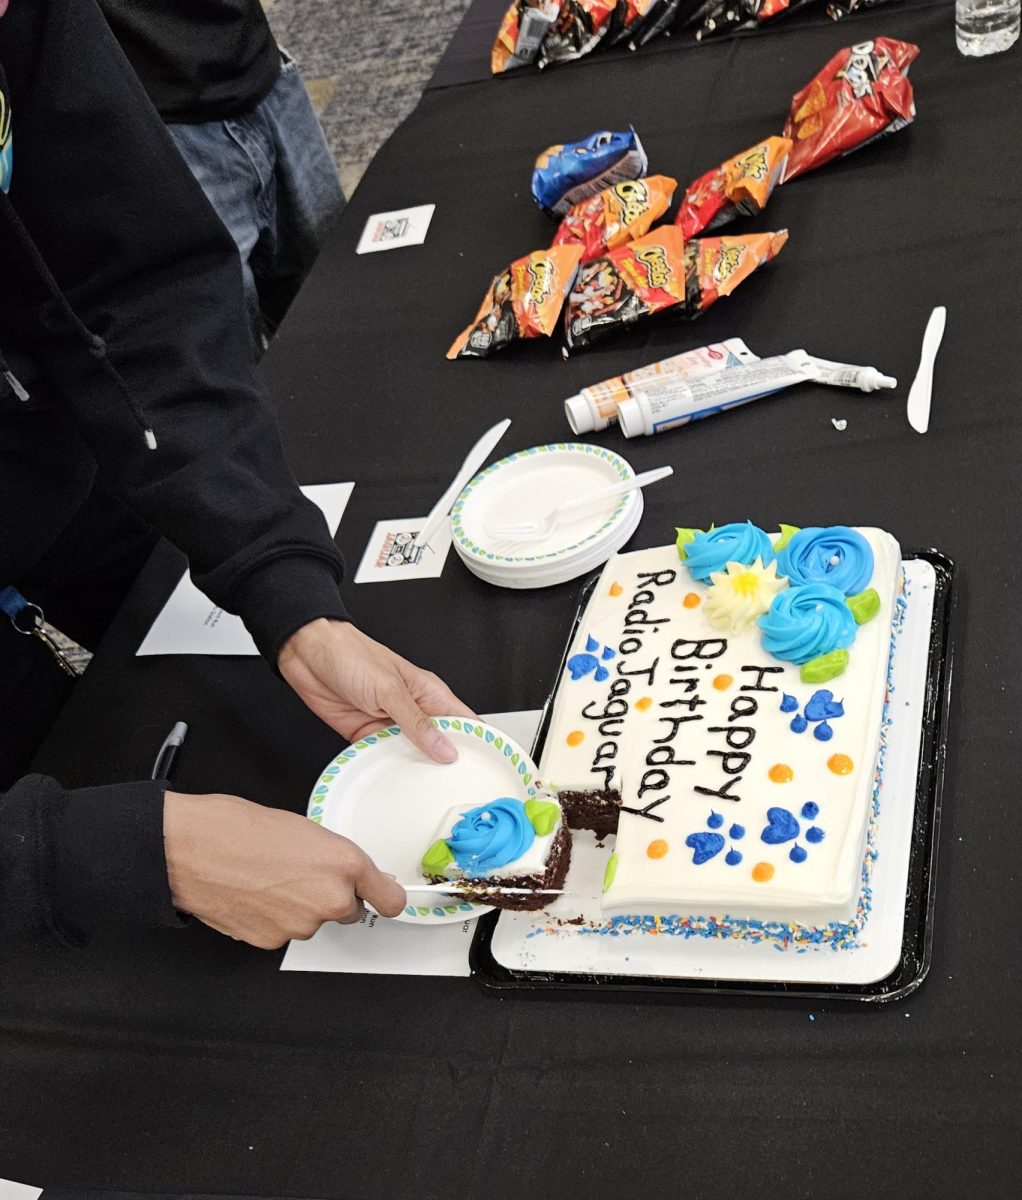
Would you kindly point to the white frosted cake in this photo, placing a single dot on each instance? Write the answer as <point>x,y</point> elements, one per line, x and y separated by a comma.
<point>732,713</point>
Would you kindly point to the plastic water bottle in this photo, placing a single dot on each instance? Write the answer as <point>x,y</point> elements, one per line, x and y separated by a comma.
<point>986,26</point>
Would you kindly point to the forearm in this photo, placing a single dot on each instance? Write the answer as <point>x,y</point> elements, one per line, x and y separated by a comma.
<point>135,248</point>
<point>74,862</point>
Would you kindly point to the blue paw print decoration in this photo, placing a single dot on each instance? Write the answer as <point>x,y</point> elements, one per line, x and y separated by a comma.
<point>821,709</point>
<point>783,826</point>
<point>708,843</point>
<point>581,665</point>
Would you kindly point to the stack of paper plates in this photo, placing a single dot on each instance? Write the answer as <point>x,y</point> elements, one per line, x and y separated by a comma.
<point>526,486</point>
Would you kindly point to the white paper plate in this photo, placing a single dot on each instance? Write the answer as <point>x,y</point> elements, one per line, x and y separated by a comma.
<point>534,481</point>
<point>526,485</point>
<point>386,796</point>
<point>550,574</point>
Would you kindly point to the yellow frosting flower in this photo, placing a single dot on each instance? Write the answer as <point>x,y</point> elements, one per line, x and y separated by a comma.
<point>740,594</point>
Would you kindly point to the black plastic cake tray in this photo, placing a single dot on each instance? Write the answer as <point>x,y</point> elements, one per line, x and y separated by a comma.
<point>917,938</point>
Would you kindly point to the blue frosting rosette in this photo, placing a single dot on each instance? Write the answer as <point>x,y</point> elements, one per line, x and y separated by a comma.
<point>740,542</point>
<point>491,836</point>
<point>836,555</point>
<point>805,622</point>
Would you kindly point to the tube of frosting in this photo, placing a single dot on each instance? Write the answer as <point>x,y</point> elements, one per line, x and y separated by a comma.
<point>668,401</point>
<point>595,407</point>
<point>866,379</point>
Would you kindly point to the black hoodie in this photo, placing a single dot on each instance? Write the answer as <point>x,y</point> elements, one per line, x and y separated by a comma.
<point>121,314</point>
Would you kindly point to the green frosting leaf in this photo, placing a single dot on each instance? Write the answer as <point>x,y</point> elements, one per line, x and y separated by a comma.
<point>543,816</point>
<point>787,533</point>
<point>827,666</point>
<point>437,858</point>
<point>610,871</point>
<point>684,537</point>
<point>864,606</point>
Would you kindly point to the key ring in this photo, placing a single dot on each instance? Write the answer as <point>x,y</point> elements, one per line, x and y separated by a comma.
<point>35,614</point>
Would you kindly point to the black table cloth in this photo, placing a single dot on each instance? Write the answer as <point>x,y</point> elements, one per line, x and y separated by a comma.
<point>184,1062</point>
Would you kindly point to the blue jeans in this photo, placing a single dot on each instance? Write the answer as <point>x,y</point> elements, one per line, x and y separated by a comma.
<point>272,180</point>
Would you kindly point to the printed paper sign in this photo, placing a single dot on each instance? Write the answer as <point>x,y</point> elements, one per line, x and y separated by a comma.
<point>390,555</point>
<point>404,227</point>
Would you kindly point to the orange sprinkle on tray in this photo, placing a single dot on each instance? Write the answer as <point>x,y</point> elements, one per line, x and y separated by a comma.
<point>657,848</point>
<point>763,872</point>
<point>781,773</point>
<point>840,764</point>
<point>723,682</point>
<point>644,703</point>
<point>575,738</point>
<point>616,589</point>
<point>691,600</point>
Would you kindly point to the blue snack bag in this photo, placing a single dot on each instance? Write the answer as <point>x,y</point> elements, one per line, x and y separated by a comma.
<point>567,174</point>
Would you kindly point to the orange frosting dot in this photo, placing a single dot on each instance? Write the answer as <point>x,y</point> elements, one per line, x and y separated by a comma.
<point>657,848</point>
<point>723,682</point>
<point>644,703</point>
<point>763,872</point>
<point>781,773</point>
<point>616,589</point>
<point>691,600</point>
<point>840,764</point>
<point>575,738</point>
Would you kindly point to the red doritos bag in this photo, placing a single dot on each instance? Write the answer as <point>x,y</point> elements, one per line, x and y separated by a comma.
<point>617,215</point>
<point>861,94</point>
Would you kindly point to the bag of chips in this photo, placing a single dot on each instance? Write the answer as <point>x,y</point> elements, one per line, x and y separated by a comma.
<point>715,266</point>
<point>524,301</point>
<point>521,33</point>
<point>635,281</point>
<point>617,215</point>
<point>727,15</point>
<point>579,27</point>
<point>861,94</point>
<point>739,187</point>
<point>567,174</point>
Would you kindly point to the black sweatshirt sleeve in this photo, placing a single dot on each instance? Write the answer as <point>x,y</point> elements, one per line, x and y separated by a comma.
<point>74,862</point>
<point>144,261</point>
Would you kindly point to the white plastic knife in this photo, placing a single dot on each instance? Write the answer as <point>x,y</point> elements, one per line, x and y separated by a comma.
<point>921,391</point>
<point>479,453</point>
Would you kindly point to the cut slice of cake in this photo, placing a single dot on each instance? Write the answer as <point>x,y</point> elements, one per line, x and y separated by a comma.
<point>507,843</point>
<point>728,695</point>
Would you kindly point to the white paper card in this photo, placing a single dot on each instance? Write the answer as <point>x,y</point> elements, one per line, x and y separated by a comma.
<point>190,623</point>
<point>388,230</point>
<point>18,1191</point>
<point>389,555</point>
<point>377,946</point>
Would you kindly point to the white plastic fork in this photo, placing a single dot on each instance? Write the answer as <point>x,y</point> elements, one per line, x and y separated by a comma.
<point>541,527</point>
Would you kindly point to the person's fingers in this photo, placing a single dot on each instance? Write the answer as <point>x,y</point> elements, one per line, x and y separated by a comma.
<point>379,889</point>
<point>354,914</point>
<point>438,699</point>
<point>416,725</point>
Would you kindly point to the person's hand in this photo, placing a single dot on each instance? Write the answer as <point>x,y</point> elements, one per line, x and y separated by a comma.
<point>264,876</point>
<point>357,686</point>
